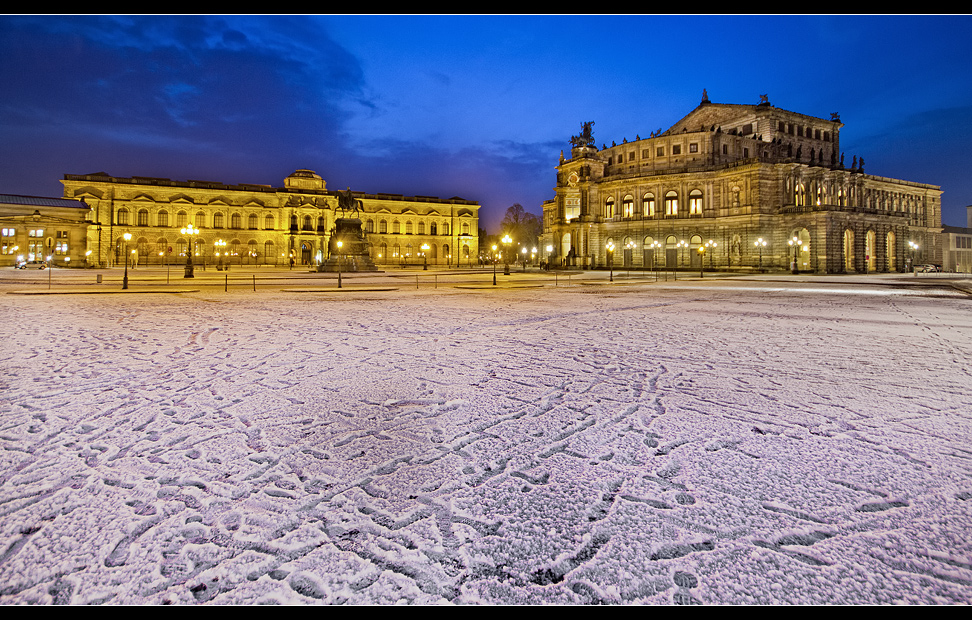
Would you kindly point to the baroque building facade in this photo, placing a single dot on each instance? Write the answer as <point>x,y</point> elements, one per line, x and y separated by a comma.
<point>263,225</point>
<point>42,229</point>
<point>746,179</point>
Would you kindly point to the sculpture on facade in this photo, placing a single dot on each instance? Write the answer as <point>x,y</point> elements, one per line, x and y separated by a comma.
<point>586,136</point>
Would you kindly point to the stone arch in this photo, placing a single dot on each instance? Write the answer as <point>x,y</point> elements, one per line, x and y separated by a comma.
<point>848,253</point>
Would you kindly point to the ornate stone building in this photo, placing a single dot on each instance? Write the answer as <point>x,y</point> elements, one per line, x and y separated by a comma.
<point>42,229</point>
<point>263,225</point>
<point>748,178</point>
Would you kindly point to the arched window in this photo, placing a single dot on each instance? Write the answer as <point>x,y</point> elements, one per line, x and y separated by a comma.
<point>182,218</point>
<point>649,204</point>
<point>433,229</point>
<point>627,206</point>
<point>671,203</point>
<point>421,228</point>
<point>382,227</point>
<point>163,218</point>
<point>408,228</point>
<point>251,221</point>
<point>370,226</point>
<point>609,207</point>
<point>251,249</point>
<point>236,221</point>
<point>268,252</point>
<point>396,227</point>
<point>200,219</point>
<point>308,223</point>
<point>122,217</point>
<point>143,217</point>
<point>695,202</point>
<point>268,222</point>
<point>465,228</point>
<point>217,220</point>
<point>445,229</point>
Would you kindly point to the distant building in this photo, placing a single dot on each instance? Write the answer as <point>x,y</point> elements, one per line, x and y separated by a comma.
<point>957,246</point>
<point>736,174</point>
<point>263,225</point>
<point>42,229</point>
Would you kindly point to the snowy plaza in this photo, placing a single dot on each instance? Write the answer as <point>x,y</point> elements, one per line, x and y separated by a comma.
<point>432,439</point>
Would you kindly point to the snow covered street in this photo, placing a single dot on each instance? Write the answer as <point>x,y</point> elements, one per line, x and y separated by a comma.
<point>734,441</point>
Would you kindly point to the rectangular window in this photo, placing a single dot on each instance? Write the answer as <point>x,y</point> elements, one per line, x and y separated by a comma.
<point>676,149</point>
<point>693,148</point>
<point>645,153</point>
<point>660,151</point>
<point>725,149</point>
<point>745,152</point>
<point>8,232</point>
<point>36,233</point>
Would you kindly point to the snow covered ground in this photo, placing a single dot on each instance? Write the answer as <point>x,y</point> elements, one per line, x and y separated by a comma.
<point>740,441</point>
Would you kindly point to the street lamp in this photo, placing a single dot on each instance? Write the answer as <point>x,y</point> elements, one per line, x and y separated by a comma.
<point>711,244</point>
<point>189,230</point>
<point>681,244</point>
<point>493,256</point>
<point>220,244</point>
<point>127,237</point>
<point>506,266</point>
<point>914,248</point>
<point>610,257</point>
<point>340,244</point>
<point>524,253</point>
<point>760,244</point>
<point>425,257</point>
<point>549,252</point>
<point>701,250</point>
<point>795,242</point>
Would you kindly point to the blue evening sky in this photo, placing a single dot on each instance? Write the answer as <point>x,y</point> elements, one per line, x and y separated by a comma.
<point>472,106</point>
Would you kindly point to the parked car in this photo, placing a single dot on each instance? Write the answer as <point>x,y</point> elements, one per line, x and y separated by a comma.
<point>32,264</point>
<point>928,269</point>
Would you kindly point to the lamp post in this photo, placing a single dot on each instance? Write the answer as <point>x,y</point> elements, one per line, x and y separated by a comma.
<point>425,256</point>
<point>914,249</point>
<point>220,244</point>
<point>549,252</point>
<point>494,265</point>
<point>610,258</point>
<point>524,253</point>
<point>795,242</point>
<point>701,249</point>
<point>629,255</point>
<point>681,244</point>
<point>189,230</point>
<point>127,237</point>
<point>760,244</point>
<point>506,243</point>
<point>711,244</point>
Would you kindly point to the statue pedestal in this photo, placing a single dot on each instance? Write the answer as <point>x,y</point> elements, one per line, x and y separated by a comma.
<point>353,254</point>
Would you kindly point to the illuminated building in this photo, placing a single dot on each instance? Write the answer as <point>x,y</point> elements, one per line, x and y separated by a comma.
<point>35,229</point>
<point>264,225</point>
<point>733,174</point>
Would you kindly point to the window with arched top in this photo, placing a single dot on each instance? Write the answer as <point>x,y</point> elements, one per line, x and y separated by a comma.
<point>268,222</point>
<point>200,219</point>
<point>649,204</point>
<point>182,218</point>
<point>695,202</point>
<point>236,221</point>
<point>627,206</point>
<point>217,220</point>
<point>143,217</point>
<point>671,203</point>
<point>122,217</point>
<point>163,218</point>
<point>609,207</point>
<point>383,227</point>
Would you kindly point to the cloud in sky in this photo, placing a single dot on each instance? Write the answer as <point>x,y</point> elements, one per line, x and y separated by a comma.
<point>452,105</point>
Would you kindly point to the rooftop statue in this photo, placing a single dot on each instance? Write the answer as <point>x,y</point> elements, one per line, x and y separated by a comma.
<point>586,137</point>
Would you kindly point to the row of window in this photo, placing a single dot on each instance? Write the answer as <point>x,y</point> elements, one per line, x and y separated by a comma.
<point>236,222</point>
<point>797,130</point>
<point>648,204</point>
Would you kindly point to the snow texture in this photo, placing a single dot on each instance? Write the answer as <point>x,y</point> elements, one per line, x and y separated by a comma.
<point>731,442</point>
